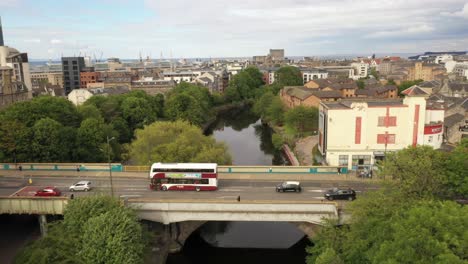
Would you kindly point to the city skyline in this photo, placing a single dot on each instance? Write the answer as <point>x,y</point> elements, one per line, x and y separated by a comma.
<point>209,28</point>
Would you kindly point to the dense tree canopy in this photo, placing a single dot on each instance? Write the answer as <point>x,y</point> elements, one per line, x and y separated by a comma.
<point>302,119</point>
<point>419,170</point>
<point>387,228</point>
<point>244,85</point>
<point>176,141</point>
<point>95,229</point>
<point>289,76</point>
<point>406,221</point>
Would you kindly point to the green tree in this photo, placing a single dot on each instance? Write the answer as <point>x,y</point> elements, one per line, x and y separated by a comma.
<point>185,107</point>
<point>56,108</point>
<point>329,256</point>
<point>244,85</point>
<point>407,84</point>
<point>275,112</point>
<point>137,112</point>
<point>14,138</point>
<point>419,171</point>
<point>95,229</point>
<point>47,144</point>
<point>302,118</point>
<point>374,73</point>
<point>90,139</point>
<point>429,232</point>
<point>289,76</point>
<point>176,142</point>
<point>261,105</point>
<point>456,168</point>
<point>89,111</point>
<point>118,232</point>
<point>361,84</point>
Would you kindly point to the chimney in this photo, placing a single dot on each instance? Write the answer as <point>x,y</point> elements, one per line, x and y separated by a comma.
<point>1,33</point>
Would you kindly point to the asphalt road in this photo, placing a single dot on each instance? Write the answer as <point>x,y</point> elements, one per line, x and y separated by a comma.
<point>229,189</point>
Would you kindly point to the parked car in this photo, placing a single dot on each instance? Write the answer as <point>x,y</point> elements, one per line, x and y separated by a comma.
<point>80,186</point>
<point>289,186</point>
<point>48,191</point>
<point>340,194</point>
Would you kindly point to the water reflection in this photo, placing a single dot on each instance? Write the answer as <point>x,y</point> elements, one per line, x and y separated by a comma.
<point>248,139</point>
<point>281,235</point>
<point>197,250</point>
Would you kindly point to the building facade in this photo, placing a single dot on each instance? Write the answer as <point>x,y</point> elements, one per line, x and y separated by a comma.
<point>71,68</point>
<point>358,133</point>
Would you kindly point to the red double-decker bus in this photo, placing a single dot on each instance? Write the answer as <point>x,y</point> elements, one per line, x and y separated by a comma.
<point>184,176</point>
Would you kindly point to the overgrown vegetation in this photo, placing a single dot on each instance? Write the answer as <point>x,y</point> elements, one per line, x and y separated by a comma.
<point>412,219</point>
<point>95,229</point>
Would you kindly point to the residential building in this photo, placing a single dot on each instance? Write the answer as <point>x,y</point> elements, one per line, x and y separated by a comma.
<point>15,79</point>
<point>454,89</point>
<point>277,54</point>
<point>375,127</point>
<point>313,74</point>
<point>293,96</point>
<point>71,68</point>
<point>426,72</point>
<point>152,86</point>
<point>360,70</point>
<point>87,77</point>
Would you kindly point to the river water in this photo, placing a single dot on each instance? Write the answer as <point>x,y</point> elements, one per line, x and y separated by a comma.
<point>249,142</point>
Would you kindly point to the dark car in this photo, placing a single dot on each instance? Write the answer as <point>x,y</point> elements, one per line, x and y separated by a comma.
<point>48,191</point>
<point>289,186</point>
<point>340,194</point>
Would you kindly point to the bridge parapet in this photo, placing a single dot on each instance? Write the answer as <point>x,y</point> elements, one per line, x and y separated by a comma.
<point>32,205</point>
<point>167,212</point>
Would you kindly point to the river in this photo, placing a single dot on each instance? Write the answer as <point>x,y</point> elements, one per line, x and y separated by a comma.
<point>249,142</point>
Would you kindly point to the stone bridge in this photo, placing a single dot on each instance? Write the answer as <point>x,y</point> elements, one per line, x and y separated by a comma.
<point>184,217</point>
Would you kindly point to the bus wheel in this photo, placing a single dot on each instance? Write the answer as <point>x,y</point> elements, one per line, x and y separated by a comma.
<point>197,189</point>
<point>164,188</point>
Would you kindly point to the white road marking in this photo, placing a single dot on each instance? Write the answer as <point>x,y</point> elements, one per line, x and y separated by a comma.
<point>135,189</point>
<point>318,191</point>
<point>130,195</point>
<point>230,190</point>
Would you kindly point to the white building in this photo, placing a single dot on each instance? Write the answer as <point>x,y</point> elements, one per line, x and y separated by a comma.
<point>356,133</point>
<point>360,70</point>
<point>309,75</point>
<point>182,76</point>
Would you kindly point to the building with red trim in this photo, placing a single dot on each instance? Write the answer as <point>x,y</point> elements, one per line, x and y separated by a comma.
<point>357,133</point>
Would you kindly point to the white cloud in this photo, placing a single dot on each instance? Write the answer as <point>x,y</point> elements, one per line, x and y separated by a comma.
<point>35,40</point>
<point>205,28</point>
<point>462,13</point>
<point>411,31</point>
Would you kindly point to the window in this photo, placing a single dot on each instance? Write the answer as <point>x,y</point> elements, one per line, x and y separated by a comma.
<point>343,160</point>
<point>361,159</point>
<point>387,121</point>
<point>386,139</point>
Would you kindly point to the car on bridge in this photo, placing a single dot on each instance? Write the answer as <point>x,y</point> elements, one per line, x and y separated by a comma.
<point>289,186</point>
<point>340,194</point>
<point>80,186</point>
<point>48,191</point>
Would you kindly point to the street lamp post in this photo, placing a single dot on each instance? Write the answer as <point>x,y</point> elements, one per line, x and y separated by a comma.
<point>110,167</point>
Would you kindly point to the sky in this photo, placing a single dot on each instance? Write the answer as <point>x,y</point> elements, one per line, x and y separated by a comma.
<point>49,29</point>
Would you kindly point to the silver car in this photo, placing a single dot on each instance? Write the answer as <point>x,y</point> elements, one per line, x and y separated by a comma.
<point>80,186</point>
